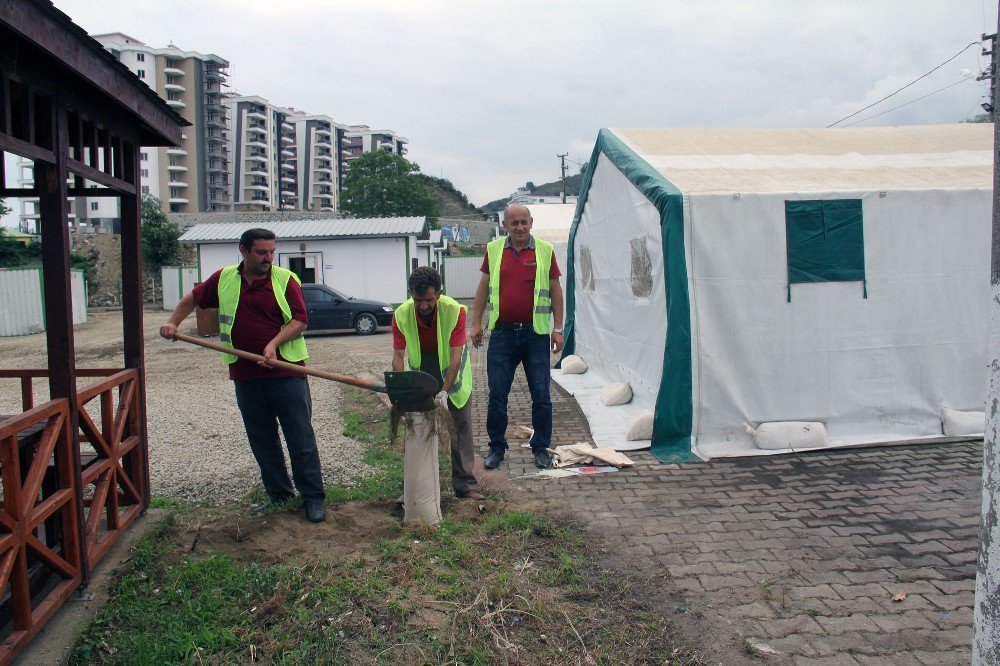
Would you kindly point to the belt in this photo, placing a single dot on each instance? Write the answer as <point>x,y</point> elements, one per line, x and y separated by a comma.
<point>518,326</point>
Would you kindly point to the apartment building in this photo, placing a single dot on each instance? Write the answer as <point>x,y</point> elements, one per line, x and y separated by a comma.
<point>360,139</point>
<point>318,141</point>
<point>195,176</point>
<point>263,169</point>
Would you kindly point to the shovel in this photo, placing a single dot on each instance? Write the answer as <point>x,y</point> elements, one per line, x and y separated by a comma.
<point>409,389</point>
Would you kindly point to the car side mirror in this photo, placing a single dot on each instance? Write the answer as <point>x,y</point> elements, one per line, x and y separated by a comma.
<point>338,301</point>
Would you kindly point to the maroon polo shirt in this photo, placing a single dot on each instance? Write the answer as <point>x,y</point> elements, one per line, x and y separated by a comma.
<point>428,333</point>
<point>517,281</point>
<point>258,320</point>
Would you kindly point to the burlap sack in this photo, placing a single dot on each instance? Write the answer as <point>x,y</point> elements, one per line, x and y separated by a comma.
<point>618,393</point>
<point>573,365</point>
<point>421,486</point>
<point>640,427</point>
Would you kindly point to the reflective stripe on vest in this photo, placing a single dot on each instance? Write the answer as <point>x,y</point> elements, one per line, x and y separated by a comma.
<point>229,298</point>
<point>448,310</point>
<point>542,310</point>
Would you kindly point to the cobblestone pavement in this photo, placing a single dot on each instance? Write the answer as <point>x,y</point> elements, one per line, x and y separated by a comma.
<point>808,555</point>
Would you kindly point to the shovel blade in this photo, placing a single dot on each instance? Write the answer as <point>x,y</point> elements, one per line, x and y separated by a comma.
<point>410,387</point>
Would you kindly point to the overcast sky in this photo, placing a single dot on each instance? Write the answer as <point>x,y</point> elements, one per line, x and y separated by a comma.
<point>489,92</point>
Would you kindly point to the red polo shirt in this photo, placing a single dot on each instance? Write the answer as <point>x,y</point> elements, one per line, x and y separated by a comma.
<point>258,320</point>
<point>517,282</point>
<point>428,333</point>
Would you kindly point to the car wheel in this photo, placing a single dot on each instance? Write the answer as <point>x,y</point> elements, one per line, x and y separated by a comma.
<point>365,324</point>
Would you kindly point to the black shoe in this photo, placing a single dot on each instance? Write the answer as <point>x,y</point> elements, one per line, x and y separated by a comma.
<point>315,511</point>
<point>542,459</point>
<point>494,458</point>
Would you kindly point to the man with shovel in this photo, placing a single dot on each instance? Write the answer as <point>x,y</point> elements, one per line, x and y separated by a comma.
<point>429,328</point>
<point>262,310</point>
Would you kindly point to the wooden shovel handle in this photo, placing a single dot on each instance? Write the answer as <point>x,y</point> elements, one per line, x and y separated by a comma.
<point>370,384</point>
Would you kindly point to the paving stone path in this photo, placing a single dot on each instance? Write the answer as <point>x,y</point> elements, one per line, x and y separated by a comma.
<point>809,555</point>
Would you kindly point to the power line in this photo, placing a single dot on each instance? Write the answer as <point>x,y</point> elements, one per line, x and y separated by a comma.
<point>923,76</point>
<point>952,85</point>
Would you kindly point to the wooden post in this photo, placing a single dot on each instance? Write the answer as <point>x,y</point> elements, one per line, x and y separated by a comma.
<point>53,212</point>
<point>132,300</point>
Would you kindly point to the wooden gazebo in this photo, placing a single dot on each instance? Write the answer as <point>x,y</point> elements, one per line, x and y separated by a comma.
<point>74,468</point>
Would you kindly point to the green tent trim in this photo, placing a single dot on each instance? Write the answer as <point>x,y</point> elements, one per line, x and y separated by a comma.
<point>674,412</point>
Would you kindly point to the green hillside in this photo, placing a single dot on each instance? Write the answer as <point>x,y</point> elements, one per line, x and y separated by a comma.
<point>451,202</point>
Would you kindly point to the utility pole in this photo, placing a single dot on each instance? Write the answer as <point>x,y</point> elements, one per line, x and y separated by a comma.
<point>988,74</point>
<point>562,161</point>
<point>986,619</point>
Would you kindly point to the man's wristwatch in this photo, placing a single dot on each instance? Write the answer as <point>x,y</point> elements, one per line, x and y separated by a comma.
<point>557,330</point>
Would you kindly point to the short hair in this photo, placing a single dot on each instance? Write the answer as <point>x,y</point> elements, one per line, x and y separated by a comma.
<point>250,236</point>
<point>423,277</point>
<point>509,206</point>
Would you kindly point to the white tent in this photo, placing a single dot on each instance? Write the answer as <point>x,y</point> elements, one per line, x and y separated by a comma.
<point>740,277</point>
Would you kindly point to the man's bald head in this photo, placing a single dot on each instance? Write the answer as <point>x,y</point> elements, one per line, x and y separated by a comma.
<point>516,210</point>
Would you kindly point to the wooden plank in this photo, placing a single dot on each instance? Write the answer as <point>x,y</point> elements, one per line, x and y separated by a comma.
<point>99,177</point>
<point>11,144</point>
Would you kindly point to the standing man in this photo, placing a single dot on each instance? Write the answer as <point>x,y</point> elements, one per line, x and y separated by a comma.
<point>521,279</point>
<point>262,310</point>
<point>430,329</point>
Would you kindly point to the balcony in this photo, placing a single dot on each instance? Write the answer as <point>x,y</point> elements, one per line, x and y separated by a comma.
<point>288,179</point>
<point>258,186</point>
<point>174,87</point>
<point>257,128</point>
<point>176,104</point>
<point>216,121</point>
<point>176,151</point>
<point>212,75</point>
<point>285,138</point>
<point>253,142</point>
<point>177,167</point>
<point>177,183</point>
<point>177,200</point>
<point>256,114</point>
<point>288,166</point>
<point>173,71</point>
<point>287,152</point>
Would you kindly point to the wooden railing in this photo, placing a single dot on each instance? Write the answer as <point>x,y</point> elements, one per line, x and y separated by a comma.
<point>43,554</point>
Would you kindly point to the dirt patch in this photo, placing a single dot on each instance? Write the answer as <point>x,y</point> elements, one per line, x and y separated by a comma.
<point>287,535</point>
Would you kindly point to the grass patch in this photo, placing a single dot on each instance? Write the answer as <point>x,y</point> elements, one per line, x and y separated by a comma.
<point>508,587</point>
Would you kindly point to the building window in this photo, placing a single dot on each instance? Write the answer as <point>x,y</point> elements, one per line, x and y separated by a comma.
<point>642,268</point>
<point>141,57</point>
<point>141,73</point>
<point>825,242</point>
<point>144,156</point>
<point>93,205</point>
<point>144,173</point>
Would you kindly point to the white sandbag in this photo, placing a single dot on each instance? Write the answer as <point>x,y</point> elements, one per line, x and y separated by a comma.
<point>573,365</point>
<point>640,427</point>
<point>956,423</point>
<point>618,393</point>
<point>789,435</point>
<point>583,453</point>
<point>421,486</point>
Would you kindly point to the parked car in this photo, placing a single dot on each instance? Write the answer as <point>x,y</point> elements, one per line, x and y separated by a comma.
<point>329,309</point>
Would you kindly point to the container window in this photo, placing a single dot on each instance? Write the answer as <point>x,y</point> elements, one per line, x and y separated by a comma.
<point>642,268</point>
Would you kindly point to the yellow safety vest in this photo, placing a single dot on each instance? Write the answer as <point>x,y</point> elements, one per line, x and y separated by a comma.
<point>542,311</point>
<point>448,310</point>
<point>229,297</point>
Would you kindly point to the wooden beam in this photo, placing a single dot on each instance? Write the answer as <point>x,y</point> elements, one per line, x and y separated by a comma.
<point>18,192</point>
<point>96,176</point>
<point>54,217</point>
<point>132,302</point>
<point>92,192</point>
<point>10,144</point>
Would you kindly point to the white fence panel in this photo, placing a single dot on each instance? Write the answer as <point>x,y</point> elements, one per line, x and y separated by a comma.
<point>177,281</point>
<point>21,301</point>
<point>461,276</point>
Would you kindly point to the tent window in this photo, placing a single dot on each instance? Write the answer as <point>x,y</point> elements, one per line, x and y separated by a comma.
<point>825,242</point>
<point>642,268</point>
<point>586,269</point>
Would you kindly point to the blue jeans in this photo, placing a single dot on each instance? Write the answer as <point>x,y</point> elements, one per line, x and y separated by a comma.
<point>507,349</point>
<point>264,403</point>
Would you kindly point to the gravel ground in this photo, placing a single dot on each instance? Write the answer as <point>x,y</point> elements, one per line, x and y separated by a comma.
<point>198,447</point>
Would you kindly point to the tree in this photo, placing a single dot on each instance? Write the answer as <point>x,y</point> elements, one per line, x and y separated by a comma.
<point>981,118</point>
<point>159,235</point>
<point>4,209</point>
<point>381,184</point>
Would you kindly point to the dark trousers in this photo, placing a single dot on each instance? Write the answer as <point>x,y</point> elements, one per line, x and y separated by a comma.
<point>509,348</point>
<point>463,453</point>
<point>266,403</point>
